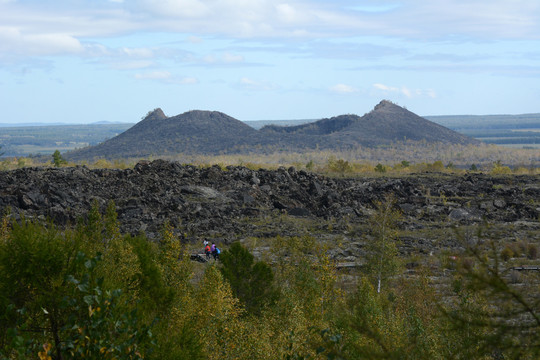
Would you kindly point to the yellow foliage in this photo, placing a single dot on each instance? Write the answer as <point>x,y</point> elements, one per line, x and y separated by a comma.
<point>44,355</point>
<point>210,310</point>
<point>499,169</point>
<point>120,265</point>
<point>174,260</point>
<point>4,229</point>
<point>103,164</point>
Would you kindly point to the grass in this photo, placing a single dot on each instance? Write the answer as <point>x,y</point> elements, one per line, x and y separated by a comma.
<point>320,162</point>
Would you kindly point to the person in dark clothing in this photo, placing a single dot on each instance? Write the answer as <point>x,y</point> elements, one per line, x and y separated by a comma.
<point>215,251</point>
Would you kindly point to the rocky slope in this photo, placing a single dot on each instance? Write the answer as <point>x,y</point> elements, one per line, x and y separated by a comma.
<point>213,133</point>
<point>192,132</point>
<point>237,203</point>
<point>385,124</point>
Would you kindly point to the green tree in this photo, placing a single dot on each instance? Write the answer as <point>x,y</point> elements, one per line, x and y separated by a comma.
<point>389,325</point>
<point>34,262</point>
<point>490,315</point>
<point>153,292</point>
<point>307,280</point>
<point>436,166</point>
<point>380,168</point>
<point>251,282</point>
<point>99,325</point>
<point>382,259</point>
<point>340,166</point>
<point>58,160</point>
<point>59,302</point>
<point>82,321</point>
<point>498,168</point>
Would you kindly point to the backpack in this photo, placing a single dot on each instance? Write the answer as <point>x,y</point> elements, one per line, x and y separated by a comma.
<point>218,251</point>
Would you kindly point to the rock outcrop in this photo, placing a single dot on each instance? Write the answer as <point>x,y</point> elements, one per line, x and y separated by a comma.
<point>229,203</point>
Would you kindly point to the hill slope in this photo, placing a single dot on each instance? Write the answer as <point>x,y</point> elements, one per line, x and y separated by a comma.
<point>385,124</point>
<point>212,132</point>
<point>388,122</point>
<point>191,132</point>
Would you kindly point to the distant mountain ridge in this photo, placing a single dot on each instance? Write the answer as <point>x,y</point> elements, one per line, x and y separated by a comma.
<point>213,133</point>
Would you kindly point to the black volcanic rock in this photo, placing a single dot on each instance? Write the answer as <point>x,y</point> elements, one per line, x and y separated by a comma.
<point>388,122</point>
<point>213,133</point>
<point>156,114</point>
<point>204,132</point>
<point>229,202</point>
<point>321,127</point>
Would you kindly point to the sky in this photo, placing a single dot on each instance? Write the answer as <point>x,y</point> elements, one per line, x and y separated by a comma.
<point>84,61</point>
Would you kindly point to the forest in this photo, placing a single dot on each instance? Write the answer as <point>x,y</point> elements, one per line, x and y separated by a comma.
<point>89,291</point>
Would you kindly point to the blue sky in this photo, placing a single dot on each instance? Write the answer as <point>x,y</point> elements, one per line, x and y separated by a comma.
<point>82,61</point>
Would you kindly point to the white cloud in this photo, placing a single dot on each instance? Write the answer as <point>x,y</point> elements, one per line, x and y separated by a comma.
<point>223,59</point>
<point>31,30</point>
<point>343,89</point>
<point>188,80</point>
<point>374,8</point>
<point>287,13</point>
<point>177,8</point>
<point>250,84</point>
<point>154,75</point>
<point>138,52</point>
<point>405,91</point>
<point>28,30</point>
<point>12,40</point>
<point>489,19</point>
<point>241,18</point>
<point>123,58</point>
<point>195,40</point>
<point>384,87</point>
<point>232,58</point>
<point>167,77</point>
<point>129,65</point>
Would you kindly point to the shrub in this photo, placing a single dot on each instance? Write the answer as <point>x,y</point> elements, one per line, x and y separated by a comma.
<point>436,166</point>
<point>499,169</point>
<point>532,251</point>
<point>380,168</point>
<point>58,160</point>
<point>516,249</point>
<point>340,166</point>
<point>467,263</point>
<point>506,253</point>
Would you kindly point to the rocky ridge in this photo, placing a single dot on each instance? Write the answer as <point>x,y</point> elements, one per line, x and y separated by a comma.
<point>213,133</point>
<point>235,203</point>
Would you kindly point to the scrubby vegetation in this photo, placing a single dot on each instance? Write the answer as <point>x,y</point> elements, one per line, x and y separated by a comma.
<point>397,159</point>
<point>89,291</point>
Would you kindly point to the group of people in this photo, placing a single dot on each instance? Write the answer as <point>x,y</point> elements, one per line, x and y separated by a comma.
<point>211,250</point>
